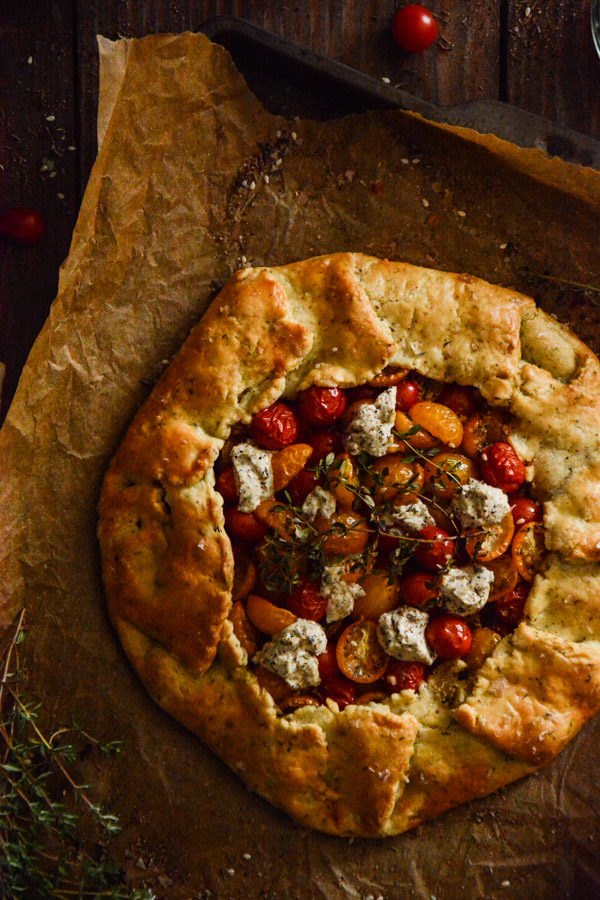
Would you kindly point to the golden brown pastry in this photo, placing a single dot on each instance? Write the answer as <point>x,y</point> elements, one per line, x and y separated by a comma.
<point>378,767</point>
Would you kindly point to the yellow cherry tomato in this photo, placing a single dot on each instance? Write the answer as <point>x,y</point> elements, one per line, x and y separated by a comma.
<point>445,472</point>
<point>483,546</point>
<point>359,653</point>
<point>267,617</point>
<point>528,549</point>
<point>439,420</point>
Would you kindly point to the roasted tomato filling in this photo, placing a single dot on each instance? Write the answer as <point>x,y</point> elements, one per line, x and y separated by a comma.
<point>377,532</point>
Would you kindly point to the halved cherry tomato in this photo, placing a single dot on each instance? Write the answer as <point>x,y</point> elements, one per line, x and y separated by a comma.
<point>407,394</point>
<point>483,642</point>
<point>225,484</point>
<point>525,510</point>
<point>275,427</point>
<point>445,472</point>
<point>437,548</point>
<point>343,473</point>
<point>439,420</point>
<point>391,476</point>
<point>491,543</point>
<point>243,628</point>
<point>501,467</point>
<point>509,609</point>
<point>460,399</point>
<point>418,589</point>
<point>307,602</point>
<point>244,577</point>
<point>481,429</point>
<point>348,536</point>
<point>421,439</point>
<point>390,376</point>
<point>372,697</point>
<point>528,549</point>
<point>22,225</point>
<point>381,595</point>
<point>328,667</point>
<point>267,617</point>
<point>450,636</point>
<point>301,486</point>
<point>414,28</point>
<point>297,701</point>
<point>359,654</point>
<point>276,686</point>
<point>340,689</point>
<point>323,443</point>
<point>505,576</point>
<point>288,462</point>
<point>321,405</point>
<point>404,676</point>
<point>275,515</point>
<point>244,525</point>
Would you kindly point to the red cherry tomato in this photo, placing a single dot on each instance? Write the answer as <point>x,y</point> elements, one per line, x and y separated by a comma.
<point>407,394</point>
<point>328,667</point>
<point>300,487</point>
<point>509,609</point>
<point>275,427</point>
<point>340,689</point>
<point>403,676</point>
<point>387,543</point>
<point>324,443</point>
<point>225,484</point>
<point>244,525</point>
<point>362,392</point>
<point>525,510</point>
<point>418,589</point>
<point>450,636</point>
<point>437,548</point>
<point>306,602</point>
<point>22,225</point>
<point>461,400</point>
<point>322,405</point>
<point>414,28</point>
<point>501,467</point>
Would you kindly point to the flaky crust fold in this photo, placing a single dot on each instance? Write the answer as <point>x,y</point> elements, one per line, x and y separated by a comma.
<point>384,767</point>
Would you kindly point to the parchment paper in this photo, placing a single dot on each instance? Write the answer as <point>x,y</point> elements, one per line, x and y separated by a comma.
<point>194,179</point>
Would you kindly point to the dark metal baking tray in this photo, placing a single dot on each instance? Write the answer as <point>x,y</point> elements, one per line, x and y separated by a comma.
<point>292,80</point>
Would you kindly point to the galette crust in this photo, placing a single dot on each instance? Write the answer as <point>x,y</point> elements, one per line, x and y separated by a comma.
<point>384,767</point>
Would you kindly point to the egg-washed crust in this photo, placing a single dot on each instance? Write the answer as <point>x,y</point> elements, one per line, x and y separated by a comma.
<point>380,768</point>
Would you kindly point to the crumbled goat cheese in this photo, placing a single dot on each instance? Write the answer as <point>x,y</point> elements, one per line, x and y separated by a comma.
<point>340,595</point>
<point>409,517</point>
<point>401,633</point>
<point>319,503</point>
<point>478,503</point>
<point>253,475</point>
<point>292,654</point>
<point>466,591</point>
<point>371,426</point>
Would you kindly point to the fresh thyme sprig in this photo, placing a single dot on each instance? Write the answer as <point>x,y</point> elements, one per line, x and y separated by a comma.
<point>40,853</point>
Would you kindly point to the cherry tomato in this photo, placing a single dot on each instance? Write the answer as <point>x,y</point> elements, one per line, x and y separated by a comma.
<point>493,542</point>
<point>509,608</point>
<point>324,443</point>
<point>461,400</point>
<point>505,576</point>
<point>404,676</point>
<point>483,643</point>
<point>359,654</point>
<point>22,226</point>
<point>381,595</point>
<point>437,548</point>
<point>407,394</point>
<point>390,376</point>
<point>328,667</point>
<point>528,549</point>
<point>387,543</point>
<point>225,484</point>
<point>322,405</point>
<point>481,429</point>
<point>450,636</point>
<point>362,392</point>
<point>501,467</point>
<point>414,28</point>
<point>339,689</point>
<point>307,602</point>
<point>244,525</point>
<point>418,589</point>
<point>296,701</point>
<point>391,476</point>
<point>438,420</point>
<point>288,462</point>
<point>525,510</point>
<point>266,616</point>
<point>275,427</point>
<point>244,577</point>
<point>243,629</point>
<point>445,472</point>
<point>300,487</point>
<point>348,533</point>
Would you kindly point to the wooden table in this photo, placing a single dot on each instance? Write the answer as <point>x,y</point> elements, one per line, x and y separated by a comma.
<point>534,54</point>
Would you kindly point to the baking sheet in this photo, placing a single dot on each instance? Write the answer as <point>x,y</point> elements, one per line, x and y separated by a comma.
<point>193,179</point>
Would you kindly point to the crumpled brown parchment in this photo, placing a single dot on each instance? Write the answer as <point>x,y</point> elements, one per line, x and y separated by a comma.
<point>194,179</point>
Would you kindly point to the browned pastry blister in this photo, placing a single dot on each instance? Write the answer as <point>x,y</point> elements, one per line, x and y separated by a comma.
<point>383,767</point>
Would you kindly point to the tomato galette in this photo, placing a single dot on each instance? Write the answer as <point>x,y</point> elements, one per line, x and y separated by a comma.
<point>352,538</point>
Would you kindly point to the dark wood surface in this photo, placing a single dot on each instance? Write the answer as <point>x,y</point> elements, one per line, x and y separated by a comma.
<point>535,54</point>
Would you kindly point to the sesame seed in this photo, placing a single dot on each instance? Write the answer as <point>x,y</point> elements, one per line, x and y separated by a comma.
<point>60,196</point>
<point>50,118</point>
<point>405,161</point>
<point>505,883</point>
<point>29,60</point>
<point>231,871</point>
<point>252,185</point>
<point>294,136</point>
<point>247,855</point>
<point>72,148</point>
<point>416,161</point>
<point>425,202</point>
<point>461,213</point>
<point>503,246</point>
<point>267,179</point>
<point>385,80</point>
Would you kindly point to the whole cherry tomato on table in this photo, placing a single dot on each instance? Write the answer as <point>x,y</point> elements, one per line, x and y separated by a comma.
<point>322,405</point>
<point>414,28</point>
<point>22,225</point>
<point>501,467</point>
<point>275,427</point>
<point>449,635</point>
<point>436,549</point>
